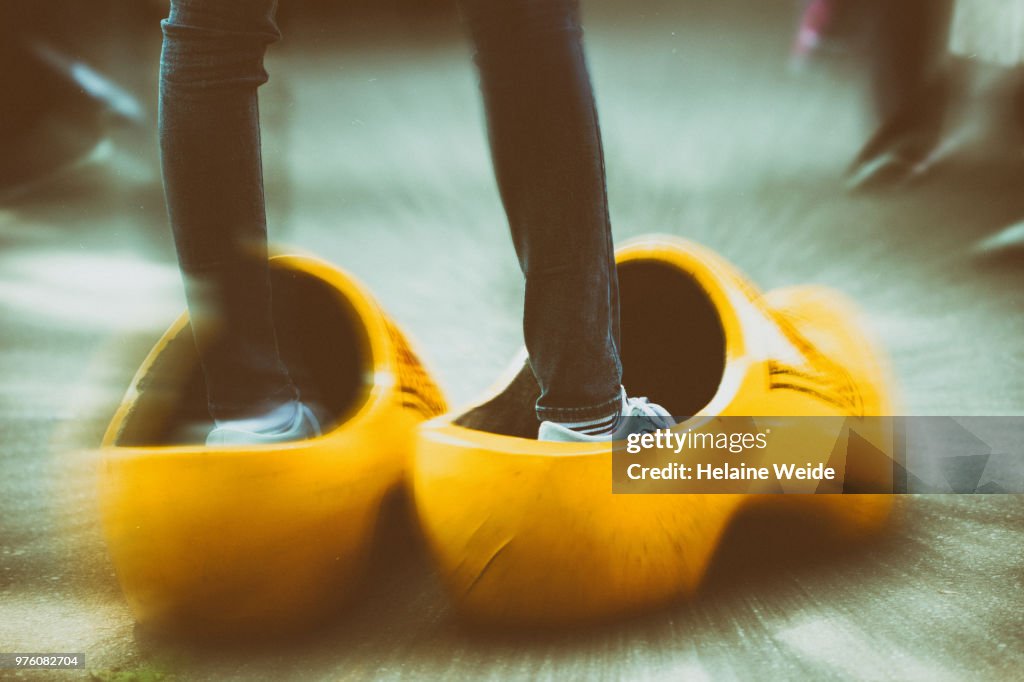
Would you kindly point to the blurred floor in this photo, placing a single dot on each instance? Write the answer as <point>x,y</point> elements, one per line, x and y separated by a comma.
<point>376,160</point>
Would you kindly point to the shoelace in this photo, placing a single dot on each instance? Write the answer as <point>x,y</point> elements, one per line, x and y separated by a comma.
<point>642,407</point>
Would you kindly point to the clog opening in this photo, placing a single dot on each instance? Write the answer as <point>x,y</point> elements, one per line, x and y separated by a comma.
<point>673,351</point>
<point>322,340</point>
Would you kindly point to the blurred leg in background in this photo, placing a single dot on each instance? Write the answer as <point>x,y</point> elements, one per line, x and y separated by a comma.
<point>910,89</point>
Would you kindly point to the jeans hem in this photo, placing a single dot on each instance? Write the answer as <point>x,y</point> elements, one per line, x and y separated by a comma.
<point>578,414</point>
<point>244,408</point>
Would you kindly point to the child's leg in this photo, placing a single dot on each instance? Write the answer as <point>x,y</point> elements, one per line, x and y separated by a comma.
<point>211,66</point>
<point>549,163</point>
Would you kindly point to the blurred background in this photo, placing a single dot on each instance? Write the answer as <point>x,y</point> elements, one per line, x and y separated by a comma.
<point>869,146</point>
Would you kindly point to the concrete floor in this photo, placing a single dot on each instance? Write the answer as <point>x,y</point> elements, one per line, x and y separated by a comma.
<point>376,160</point>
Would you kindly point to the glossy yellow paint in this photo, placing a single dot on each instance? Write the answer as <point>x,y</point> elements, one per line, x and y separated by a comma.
<point>527,532</point>
<point>267,537</point>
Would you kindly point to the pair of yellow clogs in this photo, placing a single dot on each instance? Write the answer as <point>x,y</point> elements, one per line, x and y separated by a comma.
<point>522,531</point>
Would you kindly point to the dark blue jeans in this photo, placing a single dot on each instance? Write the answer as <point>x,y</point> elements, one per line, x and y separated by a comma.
<point>548,160</point>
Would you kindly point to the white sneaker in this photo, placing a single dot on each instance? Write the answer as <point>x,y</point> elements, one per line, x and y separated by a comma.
<point>291,421</point>
<point>638,415</point>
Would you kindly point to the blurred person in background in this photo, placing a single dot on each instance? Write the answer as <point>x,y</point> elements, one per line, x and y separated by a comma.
<point>913,79</point>
<point>56,109</point>
<point>993,31</point>
<point>910,84</point>
<point>902,44</point>
<point>548,160</point>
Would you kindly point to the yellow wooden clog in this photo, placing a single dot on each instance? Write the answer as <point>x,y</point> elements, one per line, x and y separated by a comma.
<point>528,532</point>
<point>262,537</point>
